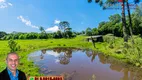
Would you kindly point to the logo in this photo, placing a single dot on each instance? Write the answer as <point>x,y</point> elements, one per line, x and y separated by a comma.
<point>119,5</point>
<point>46,78</point>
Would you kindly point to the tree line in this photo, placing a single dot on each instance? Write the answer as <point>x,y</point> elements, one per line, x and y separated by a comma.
<point>65,31</point>
<point>115,25</point>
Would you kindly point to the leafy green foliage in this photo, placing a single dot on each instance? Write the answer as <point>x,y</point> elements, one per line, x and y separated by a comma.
<point>116,18</point>
<point>2,34</point>
<point>64,25</point>
<point>13,46</point>
<point>137,21</point>
<point>88,31</point>
<point>108,38</point>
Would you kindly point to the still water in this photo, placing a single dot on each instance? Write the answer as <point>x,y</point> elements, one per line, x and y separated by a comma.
<point>77,64</point>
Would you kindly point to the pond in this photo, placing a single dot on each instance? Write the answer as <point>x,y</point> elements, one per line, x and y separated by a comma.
<point>77,64</point>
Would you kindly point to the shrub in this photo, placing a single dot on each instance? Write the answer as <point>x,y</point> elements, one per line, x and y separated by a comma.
<point>108,38</point>
<point>13,46</point>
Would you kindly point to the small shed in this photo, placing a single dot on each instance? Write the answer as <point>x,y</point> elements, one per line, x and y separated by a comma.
<point>96,38</point>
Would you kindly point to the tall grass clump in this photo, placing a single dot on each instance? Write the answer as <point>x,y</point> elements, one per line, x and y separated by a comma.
<point>133,52</point>
<point>110,39</point>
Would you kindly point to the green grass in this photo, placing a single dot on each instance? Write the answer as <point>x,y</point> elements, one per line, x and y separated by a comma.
<point>28,46</point>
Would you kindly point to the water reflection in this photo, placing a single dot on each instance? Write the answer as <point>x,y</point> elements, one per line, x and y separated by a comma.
<point>79,68</point>
<point>90,53</point>
<point>129,72</point>
<point>64,59</point>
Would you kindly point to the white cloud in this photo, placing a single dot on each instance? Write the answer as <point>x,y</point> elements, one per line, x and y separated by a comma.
<point>10,4</point>
<point>52,29</point>
<point>57,60</point>
<point>27,22</point>
<point>55,54</point>
<point>57,21</point>
<point>4,4</point>
<point>2,1</point>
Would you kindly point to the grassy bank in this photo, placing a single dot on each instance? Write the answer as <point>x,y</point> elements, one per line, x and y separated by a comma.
<point>112,46</point>
<point>127,52</point>
<point>28,46</point>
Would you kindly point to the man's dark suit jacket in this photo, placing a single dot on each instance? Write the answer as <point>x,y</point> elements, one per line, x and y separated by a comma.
<point>5,76</point>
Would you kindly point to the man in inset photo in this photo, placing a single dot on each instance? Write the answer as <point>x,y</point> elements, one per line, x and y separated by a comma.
<point>11,72</point>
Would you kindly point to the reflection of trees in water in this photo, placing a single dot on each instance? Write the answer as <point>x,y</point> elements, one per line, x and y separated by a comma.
<point>43,51</point>
<point>64,59</point>
<point>68,76</point>
<point>58,50</point>
<point>93,57</point>
<point>130,72</point>
<point>135,74</point>
<point>90,53</point>
<point>68,53</point>
<point>116,67</point>
<point>41,56</point>
<point>102,58</point>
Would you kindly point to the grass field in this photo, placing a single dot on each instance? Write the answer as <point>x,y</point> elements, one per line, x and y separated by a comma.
<point>113,46</point>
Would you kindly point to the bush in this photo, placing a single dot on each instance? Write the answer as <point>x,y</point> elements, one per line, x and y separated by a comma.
<point>108,38</point>
<point>13,46</point>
